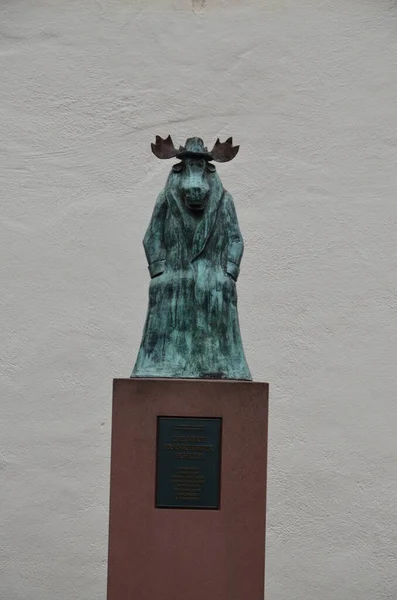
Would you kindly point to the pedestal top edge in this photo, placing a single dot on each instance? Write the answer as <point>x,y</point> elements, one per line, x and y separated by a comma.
<point>169,380</point>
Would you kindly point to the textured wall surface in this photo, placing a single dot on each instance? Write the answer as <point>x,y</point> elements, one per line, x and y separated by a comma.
<point>308,88</point>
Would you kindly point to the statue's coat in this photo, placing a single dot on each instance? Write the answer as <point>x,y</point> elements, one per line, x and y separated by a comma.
<point>192,328</point>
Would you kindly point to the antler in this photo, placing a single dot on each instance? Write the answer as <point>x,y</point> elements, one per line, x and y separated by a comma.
<point>164,148</point>
<point>225,151</point>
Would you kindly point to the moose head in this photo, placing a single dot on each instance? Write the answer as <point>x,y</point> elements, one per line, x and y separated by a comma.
<point>193,173</point>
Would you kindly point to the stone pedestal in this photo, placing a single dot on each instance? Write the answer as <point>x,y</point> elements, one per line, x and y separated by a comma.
<point>215,550</point>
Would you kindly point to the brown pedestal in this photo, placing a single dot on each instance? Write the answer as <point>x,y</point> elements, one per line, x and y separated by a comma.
<point>187,553</point>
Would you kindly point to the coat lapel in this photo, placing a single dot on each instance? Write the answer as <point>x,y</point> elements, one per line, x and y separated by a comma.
<point>206,226</point>
<point>176,211</point>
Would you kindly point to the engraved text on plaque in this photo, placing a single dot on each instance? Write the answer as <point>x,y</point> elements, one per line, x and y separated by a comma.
<point>188,462</point>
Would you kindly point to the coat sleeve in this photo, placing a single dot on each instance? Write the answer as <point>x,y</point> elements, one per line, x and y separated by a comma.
<point>235,247</point>
<point>153,242</point>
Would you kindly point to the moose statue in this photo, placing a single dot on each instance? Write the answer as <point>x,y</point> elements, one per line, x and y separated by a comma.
<point>194,247</point>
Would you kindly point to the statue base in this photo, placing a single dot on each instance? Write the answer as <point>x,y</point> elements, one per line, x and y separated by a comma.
<point>188,490</point>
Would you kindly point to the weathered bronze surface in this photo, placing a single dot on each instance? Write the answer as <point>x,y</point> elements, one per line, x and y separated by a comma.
<point>188,462</point>
<point>194,248</point>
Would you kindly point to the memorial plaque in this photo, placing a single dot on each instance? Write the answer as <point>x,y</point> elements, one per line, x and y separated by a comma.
<point>188,462</point>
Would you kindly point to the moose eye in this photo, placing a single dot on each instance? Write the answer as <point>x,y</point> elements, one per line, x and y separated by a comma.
<point>178,167</point>
<point>211,167</point>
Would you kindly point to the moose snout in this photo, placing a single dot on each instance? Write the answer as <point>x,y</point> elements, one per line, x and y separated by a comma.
<point>196,197</point>
<point>195,187</point>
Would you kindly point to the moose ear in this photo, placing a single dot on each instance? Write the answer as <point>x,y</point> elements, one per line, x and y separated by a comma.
<point>225,151</point>
<point>178,167</point>
<point>211,168</point>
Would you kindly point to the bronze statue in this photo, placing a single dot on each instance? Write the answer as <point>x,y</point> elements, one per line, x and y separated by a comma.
<point>194,248</point>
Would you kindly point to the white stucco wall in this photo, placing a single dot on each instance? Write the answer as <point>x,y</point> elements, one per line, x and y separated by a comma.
<point>308,88</point>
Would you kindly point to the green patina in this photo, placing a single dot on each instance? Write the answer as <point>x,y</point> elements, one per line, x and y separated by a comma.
<point>194,248</point>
